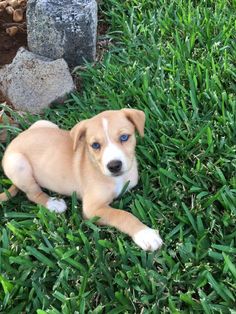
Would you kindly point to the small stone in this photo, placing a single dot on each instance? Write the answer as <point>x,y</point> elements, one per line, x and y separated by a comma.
<point>3,4</point>
<point>13,3</point>
<point>11,31</point>
<point>63,29</point>
<point>18,15</point>
<point>21,2</point>
<point>31,82</point>
<point>9,10</point>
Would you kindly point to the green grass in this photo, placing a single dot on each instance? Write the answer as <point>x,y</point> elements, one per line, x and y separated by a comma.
<point>176,61</point>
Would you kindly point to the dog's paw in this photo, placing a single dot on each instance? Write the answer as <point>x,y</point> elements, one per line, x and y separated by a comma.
<point>148,239</point>
<point>56,205</point>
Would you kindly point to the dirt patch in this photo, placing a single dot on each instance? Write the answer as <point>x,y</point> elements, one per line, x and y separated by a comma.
<point>9,45</point>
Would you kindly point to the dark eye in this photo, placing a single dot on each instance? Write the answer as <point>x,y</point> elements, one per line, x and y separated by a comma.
<point>124,137</point>
<point>96,145</point>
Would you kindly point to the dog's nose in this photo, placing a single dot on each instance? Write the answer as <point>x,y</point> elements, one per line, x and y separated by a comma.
<point>114,166</point>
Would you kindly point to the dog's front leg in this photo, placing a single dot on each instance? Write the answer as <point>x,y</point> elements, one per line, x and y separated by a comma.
<point>145,237</point>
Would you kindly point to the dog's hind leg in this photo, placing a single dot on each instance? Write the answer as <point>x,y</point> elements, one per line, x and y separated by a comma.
<point>18,169</point>
<point>43,124</point>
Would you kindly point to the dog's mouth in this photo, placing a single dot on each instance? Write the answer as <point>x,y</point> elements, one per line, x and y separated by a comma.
<point>118,174</point>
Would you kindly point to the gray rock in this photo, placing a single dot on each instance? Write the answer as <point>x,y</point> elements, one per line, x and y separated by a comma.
<point>63,29</point>
<point>31,82</point>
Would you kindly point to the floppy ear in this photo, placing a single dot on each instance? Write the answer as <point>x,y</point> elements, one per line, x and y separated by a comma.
<point>137,117</point>
<point>77,132</point>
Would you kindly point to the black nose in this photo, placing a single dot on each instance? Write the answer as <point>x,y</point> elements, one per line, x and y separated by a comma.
<point>114,166</point>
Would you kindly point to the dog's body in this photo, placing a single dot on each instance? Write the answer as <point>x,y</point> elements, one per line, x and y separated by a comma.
<point>95,159</point>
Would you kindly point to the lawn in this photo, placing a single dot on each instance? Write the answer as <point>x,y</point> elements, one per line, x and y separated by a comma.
<point>176,61</point>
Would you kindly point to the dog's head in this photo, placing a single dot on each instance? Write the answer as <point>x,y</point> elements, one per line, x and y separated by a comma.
<point>110,139</point>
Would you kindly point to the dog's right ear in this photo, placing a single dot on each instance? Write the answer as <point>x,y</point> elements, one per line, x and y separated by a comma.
<point>137,117</point>
<point>78,132</point>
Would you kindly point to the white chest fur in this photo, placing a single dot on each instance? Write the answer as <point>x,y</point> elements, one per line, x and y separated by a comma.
<point>131,176</point>
<point>119,184</point>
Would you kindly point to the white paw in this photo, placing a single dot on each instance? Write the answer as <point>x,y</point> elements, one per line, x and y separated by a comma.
<point>56,205</point>
<point>148,239</point>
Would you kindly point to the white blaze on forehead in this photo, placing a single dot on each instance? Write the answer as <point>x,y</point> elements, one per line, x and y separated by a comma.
<point>111,151</point>
<point>105,127</point>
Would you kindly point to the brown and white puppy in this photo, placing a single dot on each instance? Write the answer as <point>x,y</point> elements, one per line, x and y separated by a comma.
<point>95,159</point>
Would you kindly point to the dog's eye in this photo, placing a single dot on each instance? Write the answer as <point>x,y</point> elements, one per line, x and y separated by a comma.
<point>96,145</point>
<point>124,137</point>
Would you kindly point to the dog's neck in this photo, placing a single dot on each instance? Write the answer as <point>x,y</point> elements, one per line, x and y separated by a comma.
<point>130,176</point>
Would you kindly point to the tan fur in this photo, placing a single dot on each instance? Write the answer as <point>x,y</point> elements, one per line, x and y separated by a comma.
<point>64,162</point>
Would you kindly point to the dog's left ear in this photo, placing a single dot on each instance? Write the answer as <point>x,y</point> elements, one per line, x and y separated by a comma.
<point>78,132</point>
<point>137,117</point>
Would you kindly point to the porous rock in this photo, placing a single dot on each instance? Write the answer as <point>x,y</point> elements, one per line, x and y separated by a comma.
<point>32,82</point>
<point>63,29</point>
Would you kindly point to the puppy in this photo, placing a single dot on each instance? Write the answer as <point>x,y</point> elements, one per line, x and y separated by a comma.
<point>94,159</point>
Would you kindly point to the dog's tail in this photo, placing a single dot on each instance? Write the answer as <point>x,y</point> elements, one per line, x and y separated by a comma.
<point>11,192</point>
